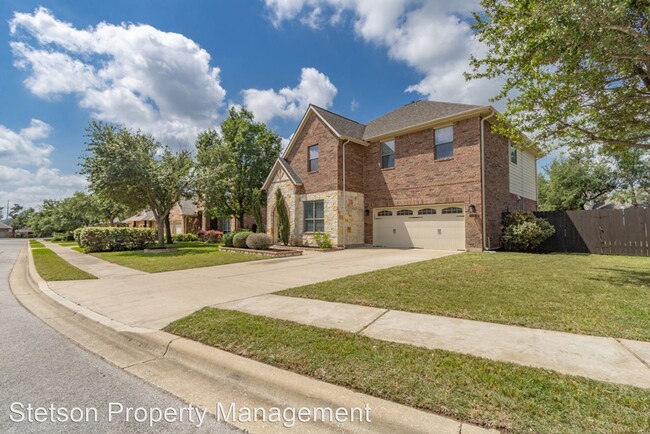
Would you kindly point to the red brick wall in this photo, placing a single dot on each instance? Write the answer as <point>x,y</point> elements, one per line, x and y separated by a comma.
<point>497,186</point>
<point>354,162</point>
<point>419,179</point>
<point>315,132</point>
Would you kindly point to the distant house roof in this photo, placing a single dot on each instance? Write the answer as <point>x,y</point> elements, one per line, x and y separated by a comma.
<point>4,226</point>
<point>141,216</point>
<point>188,207</point>
<point>342,125</point>
<point>410,115</point>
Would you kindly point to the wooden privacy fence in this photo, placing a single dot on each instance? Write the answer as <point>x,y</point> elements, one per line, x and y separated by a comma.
<point>603,231</point>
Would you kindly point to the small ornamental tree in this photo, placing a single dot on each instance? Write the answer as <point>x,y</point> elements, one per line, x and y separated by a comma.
<point>284,228</point>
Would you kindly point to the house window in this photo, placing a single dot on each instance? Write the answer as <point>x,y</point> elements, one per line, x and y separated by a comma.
<point>444,143</point>
<point>314,216</point>
<point>313,158</point>
<point>405,212</point>
<point>513,154</point>
<point>426,211</point>
<point>388,154</point>
<point>384,213</point>
<point>452,210</point>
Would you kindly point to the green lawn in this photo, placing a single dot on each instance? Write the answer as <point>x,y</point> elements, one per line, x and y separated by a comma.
<point>589,294</point>
<point>52,267</point>
<point>189,255</point>
<point>493,394</point>
<point>35,244</point>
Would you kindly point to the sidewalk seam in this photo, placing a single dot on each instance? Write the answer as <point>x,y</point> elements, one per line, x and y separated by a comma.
<point>633,353</point>
<point>363,329</point>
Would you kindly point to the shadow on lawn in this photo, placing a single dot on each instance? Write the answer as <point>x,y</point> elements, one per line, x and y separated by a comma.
<point>624,276</point>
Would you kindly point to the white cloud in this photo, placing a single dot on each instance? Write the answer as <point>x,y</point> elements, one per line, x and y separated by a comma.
<point>354,105</point>
<point>25,177</point>
<point>291,102</point>
<point>20,148</point>
<point>131,74</point>
<point>430,36</point>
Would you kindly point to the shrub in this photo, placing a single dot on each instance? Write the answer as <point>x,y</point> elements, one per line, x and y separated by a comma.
<point>239,240</point>
<point>259,241</point>
<point>228,239</point>
<point>63,236</point>
<point>185,237</point>
<point>522,231</point>
<point>211,236</point>
<point>323,240</point>
<point>76,234</point>
<point>110,239</point>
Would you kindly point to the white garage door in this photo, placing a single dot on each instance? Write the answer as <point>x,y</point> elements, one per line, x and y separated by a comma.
<point>439,227</point>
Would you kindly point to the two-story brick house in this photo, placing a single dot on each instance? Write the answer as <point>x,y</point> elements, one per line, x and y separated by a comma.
<point>429,175</point>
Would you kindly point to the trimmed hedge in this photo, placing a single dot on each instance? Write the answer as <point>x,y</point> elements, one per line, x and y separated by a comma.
<point>211,236</point>
<point>239,239</point>
<point>111,239</point>
<point>228,239</point>
<point>185,237</point>
<point>259,241</point>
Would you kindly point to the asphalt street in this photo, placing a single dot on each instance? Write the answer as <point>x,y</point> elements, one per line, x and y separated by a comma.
<point>42,368</point>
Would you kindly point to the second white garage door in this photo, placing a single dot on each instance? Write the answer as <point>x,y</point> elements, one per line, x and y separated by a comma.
<point>427,227</point>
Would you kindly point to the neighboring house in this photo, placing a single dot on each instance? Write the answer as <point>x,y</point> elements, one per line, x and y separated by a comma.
<point>5,230</point>
<point>428,175</point>
<point>188,217</point>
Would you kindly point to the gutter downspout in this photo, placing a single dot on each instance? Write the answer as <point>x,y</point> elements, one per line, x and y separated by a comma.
<point>483,207</point>
<point>345,214</point>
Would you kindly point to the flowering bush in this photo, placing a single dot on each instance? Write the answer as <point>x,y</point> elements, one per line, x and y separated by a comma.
<point>211,236</point>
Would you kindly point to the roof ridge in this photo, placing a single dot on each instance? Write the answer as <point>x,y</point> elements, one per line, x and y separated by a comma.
<point>336,114</point>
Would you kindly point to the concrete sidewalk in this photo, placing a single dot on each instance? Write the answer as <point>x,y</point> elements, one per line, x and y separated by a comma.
<point>601,358</point>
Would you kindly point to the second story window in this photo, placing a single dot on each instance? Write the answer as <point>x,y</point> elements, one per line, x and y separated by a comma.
<point>312,165</point>
<point>388,154</point>
<point>444,143</point>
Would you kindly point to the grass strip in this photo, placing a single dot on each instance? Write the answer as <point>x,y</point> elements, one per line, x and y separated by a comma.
<point>493,394</point>
<point>36,244</point>
<point>603,295</point>
<point>189,255</point>
<point>52,267</point>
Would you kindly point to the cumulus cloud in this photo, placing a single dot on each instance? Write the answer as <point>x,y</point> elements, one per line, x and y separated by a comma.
<point>131,74</point>
<point>431,36</point>
<point>291,102</point>
<point>25,175</point>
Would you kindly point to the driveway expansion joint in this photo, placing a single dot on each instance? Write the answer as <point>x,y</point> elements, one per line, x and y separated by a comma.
<point>363,329</point>
<point>641,359</point>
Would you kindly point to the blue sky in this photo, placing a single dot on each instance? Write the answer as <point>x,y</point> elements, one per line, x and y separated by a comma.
<point>172,68</point>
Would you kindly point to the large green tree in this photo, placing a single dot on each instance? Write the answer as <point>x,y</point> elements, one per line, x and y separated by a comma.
<point>633,173</point>
<point>136,171</point>
<point>232,164</point>
<point>19,216</point>
<point>576,72</point>
<point>576,180</point>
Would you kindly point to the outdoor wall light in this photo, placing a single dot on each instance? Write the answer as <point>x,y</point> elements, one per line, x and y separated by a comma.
<point>471,209</point>
<point>367,212</point>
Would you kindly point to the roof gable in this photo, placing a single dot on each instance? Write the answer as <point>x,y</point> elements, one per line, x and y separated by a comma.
<point>281,164</point>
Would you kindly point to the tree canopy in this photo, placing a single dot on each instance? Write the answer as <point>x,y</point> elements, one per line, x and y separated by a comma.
<point>136,171</point>
<point>576,72</point>
<point>232,164</point>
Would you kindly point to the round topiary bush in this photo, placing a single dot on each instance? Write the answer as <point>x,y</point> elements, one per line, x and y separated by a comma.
<point>228,238</point>
<point>259,241</point>
<point>523,231</point>
<point>239,240</point>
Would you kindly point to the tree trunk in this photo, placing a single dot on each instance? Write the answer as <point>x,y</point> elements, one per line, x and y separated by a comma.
<point>160,220</point>
<point>168,230</point>
<point>241,222</point>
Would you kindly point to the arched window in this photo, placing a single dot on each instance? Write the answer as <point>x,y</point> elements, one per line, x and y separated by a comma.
<point>452,210</point>
<point>384,213</point>
<point>426,211</point>
<point>405,212</point>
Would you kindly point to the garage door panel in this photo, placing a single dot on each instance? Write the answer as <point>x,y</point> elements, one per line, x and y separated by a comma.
<point>431,231</point>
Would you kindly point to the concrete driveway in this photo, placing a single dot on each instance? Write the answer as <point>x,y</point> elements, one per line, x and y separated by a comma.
<point>155,300</point>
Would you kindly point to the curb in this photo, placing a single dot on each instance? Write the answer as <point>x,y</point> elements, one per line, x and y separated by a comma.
<point>204,375</point>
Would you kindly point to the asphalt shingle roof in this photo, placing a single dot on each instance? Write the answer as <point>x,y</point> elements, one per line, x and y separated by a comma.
<point>342,125</point>
<point>412,114</point>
